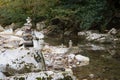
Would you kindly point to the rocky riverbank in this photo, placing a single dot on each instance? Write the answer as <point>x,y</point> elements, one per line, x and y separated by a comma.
<point>15,58</point>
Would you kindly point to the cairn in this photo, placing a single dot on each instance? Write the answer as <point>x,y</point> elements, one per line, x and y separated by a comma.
<point>27,36</point>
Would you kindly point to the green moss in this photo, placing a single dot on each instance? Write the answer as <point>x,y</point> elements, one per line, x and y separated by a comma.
<point>38,78</point>
<point>49,78</point>
<point>68,78</point>
<point>22,78</point>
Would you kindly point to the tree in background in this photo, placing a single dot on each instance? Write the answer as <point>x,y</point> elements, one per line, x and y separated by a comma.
<point>78,14</point>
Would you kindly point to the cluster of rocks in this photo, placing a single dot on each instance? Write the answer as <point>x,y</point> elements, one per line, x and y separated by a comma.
<point>18,57</point>
<point>43,75</point>
<point>95,36</point>
<point>15,57</point>
<point>59,58</point>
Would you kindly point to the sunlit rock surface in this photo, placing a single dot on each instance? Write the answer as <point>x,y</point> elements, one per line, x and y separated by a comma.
<point>8,31</point>
<point>10,41</point>
<point>17,59</point>
<point>20,61</point>
<point>39,35</point>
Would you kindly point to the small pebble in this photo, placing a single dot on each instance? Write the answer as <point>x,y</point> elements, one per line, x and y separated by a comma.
<point>91,75</point>
<point>77,63</point>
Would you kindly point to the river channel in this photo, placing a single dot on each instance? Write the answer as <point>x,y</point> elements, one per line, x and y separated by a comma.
<point>104,59</point>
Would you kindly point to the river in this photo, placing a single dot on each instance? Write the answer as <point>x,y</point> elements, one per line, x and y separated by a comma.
<point>104,59</point>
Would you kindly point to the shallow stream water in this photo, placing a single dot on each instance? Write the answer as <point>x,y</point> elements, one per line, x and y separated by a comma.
<point>104,59</point>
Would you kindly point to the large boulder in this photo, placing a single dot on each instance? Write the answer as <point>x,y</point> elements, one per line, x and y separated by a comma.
<point>19,61</point>
<point>10,41</point>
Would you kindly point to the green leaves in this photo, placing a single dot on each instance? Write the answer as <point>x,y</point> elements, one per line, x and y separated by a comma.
<point>84,11</point>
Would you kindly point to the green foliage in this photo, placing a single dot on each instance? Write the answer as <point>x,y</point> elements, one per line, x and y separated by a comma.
<point>18,10</point>
<point>84,11</point>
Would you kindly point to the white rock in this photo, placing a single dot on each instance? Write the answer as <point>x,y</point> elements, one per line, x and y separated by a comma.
<point>10,41</point>
<point>81,33</point>
<point>17,59</point>
<point>35,44</point>
<point>78,63</point>
<point>19,33</point>
<point>8,31</point>
<point>94,36</point>
<point>59,50</point>
<point>112,31</point>
<point>54,49</point>
<point>69,70</point>
<point>2,76</point>
<point>15,38</point>
<point>50,72</point>
<point>71,56</point>
<point>95,47</point>
<point>98,37</point>
<point>38,44</point>
<point>39,35</point>
<point>81,58</point>
<point>91,75</point>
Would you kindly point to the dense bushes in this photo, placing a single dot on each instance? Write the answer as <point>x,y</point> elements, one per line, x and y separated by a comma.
<point>18,10</point>
<point>86,12</point>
